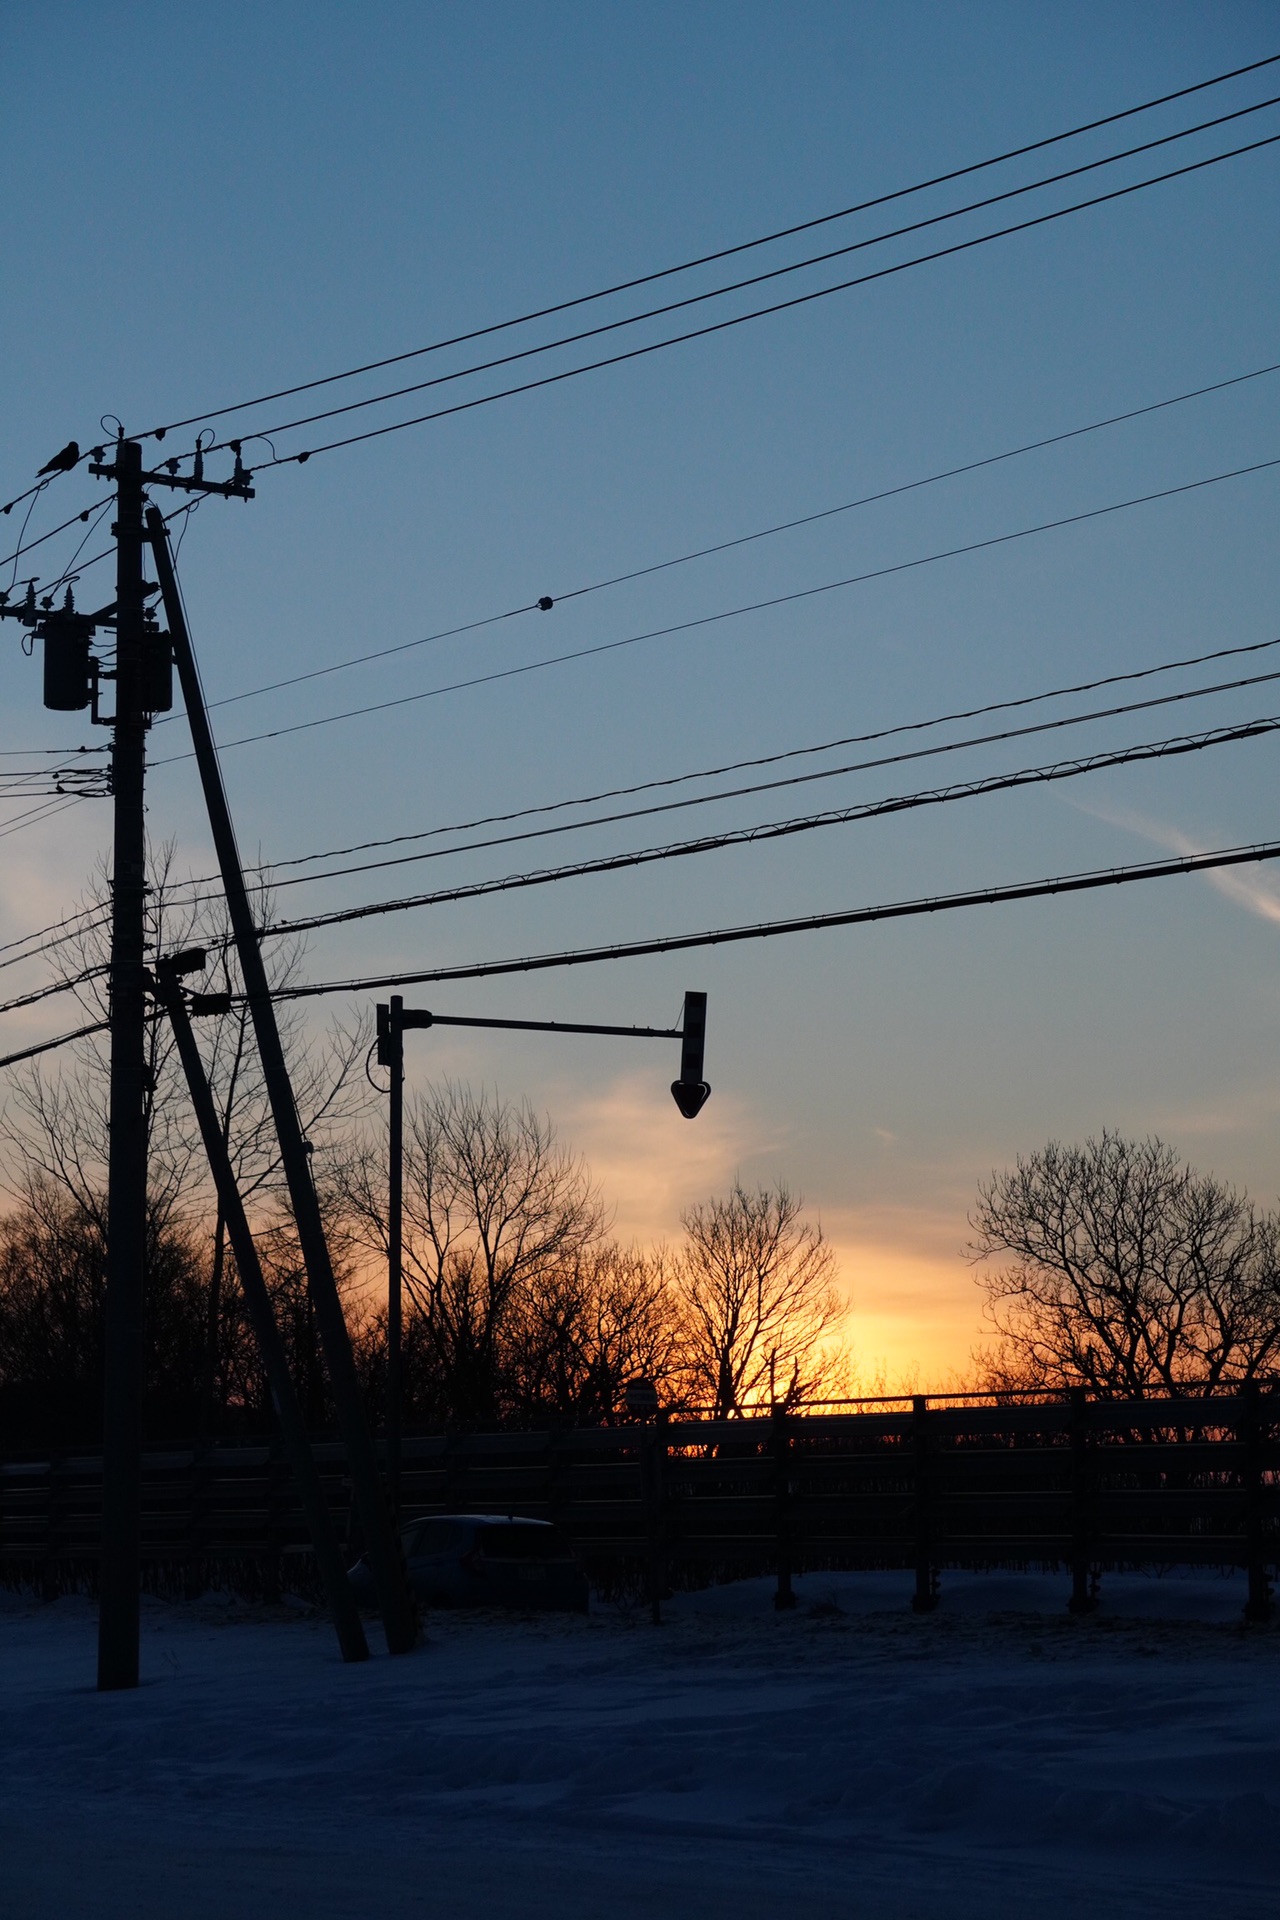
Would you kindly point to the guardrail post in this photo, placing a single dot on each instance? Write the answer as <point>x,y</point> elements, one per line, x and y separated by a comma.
<point>925,1597</point>
<point>54,1505</point>
<point>653,1461</point>
<point>1084,1583</point>
<point>783,1493</point>
<point>194,1580</point>
<point>1257,1608</point>
<point>276,1516</point>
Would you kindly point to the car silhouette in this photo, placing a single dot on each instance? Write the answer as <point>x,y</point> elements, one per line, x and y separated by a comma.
<point>485,1560</point>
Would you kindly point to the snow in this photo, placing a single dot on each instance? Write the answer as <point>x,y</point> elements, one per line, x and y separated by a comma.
<point>849,1758</point>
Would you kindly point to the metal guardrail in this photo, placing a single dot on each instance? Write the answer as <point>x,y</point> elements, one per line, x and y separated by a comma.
<point>933,1483</point>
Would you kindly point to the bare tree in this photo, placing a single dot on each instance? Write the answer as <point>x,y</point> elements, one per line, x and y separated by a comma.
<point>585,1327</point>
<point>54,1133</point>
<point>1128,1271</point>
<point>490,1202</point>
<point>755,1287</point>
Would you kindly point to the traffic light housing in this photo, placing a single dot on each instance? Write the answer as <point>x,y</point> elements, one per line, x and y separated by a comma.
<point>691,1092</point>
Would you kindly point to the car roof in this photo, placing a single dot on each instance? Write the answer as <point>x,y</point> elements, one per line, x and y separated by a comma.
<point>483,1520</point>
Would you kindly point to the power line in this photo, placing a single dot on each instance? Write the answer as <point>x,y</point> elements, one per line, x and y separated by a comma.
<point>760,930</point>
<point>50,992</point>
<point>67,573</point>
<point>37,814</point>
<point>53,532</point>
<point>754,280</point>
<point>746,539</point>
<point>782,829</point>
<point>758,313</point>
<point>47,1046</point>
<point>770,830</point>
<point>83,922</point>
<point>795,753</point>
<point>707,259</point>
<point>811,923</point>
<point>772,786</point>
<point>896,759</point>
<point>731,613</point>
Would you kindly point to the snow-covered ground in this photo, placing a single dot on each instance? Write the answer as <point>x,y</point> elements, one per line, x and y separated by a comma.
<point>847,1759</point>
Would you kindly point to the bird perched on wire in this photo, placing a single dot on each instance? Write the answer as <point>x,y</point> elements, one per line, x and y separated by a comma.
<point>61,462</point>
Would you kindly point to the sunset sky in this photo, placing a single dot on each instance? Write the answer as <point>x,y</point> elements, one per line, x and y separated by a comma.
<point>204,205</point>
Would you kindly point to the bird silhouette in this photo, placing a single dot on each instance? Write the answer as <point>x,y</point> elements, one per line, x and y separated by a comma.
<point>61,462</point>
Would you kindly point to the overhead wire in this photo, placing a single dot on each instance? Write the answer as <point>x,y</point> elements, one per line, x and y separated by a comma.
<point>76,925</point>
<point>52,534</point>
<point>767,786</point>
<point>722,253</point>
<point>48,1046</point>
<point>746,539</point>
<point>1171,747</point>
<point>58,986</point>
<point>772,759</point>
<point>730,613</point>
<point>45,812</point>
<point>783,829</point>
<point>753,280</point>
<point>807,923</point>
<point>758,930</point>
<point>758,313</point>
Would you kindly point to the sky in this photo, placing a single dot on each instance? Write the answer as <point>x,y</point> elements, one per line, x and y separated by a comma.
<point>206,205</point>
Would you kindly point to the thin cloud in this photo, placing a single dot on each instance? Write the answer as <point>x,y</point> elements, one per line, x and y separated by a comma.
<point>1255,889</point>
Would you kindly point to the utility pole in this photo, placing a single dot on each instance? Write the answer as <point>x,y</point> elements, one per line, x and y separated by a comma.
<point>143,686</point>
<point>120,1576</point>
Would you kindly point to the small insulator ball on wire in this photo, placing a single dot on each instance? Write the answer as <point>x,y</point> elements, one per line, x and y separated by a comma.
<point>546,603</point>
<point>303,459</point>
<point>85,514</point>
<point>160,433</point>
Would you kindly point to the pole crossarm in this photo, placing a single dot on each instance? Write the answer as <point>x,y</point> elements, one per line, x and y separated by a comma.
<point>235,489</point>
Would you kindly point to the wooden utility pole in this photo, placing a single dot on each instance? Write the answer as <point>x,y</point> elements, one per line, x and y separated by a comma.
<point>120,1575</point>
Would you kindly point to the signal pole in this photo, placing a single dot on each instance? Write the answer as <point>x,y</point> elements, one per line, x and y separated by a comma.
<point>690,1093</point>
<point>120,1575</point>
<point>391,1050</point>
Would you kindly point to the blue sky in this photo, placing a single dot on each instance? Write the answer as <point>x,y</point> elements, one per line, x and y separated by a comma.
<point>202,205</point>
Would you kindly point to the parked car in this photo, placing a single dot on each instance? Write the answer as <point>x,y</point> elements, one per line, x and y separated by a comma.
<point>486,1560</point>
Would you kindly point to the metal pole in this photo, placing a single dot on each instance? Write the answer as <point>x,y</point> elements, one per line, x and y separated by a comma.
<point>395,1599</point>
<point>329,1560</point>
<point>395,1250</point>
<point>120,1566</point>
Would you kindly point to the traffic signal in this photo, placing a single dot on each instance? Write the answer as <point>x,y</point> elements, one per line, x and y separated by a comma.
<point>691,1092</point>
